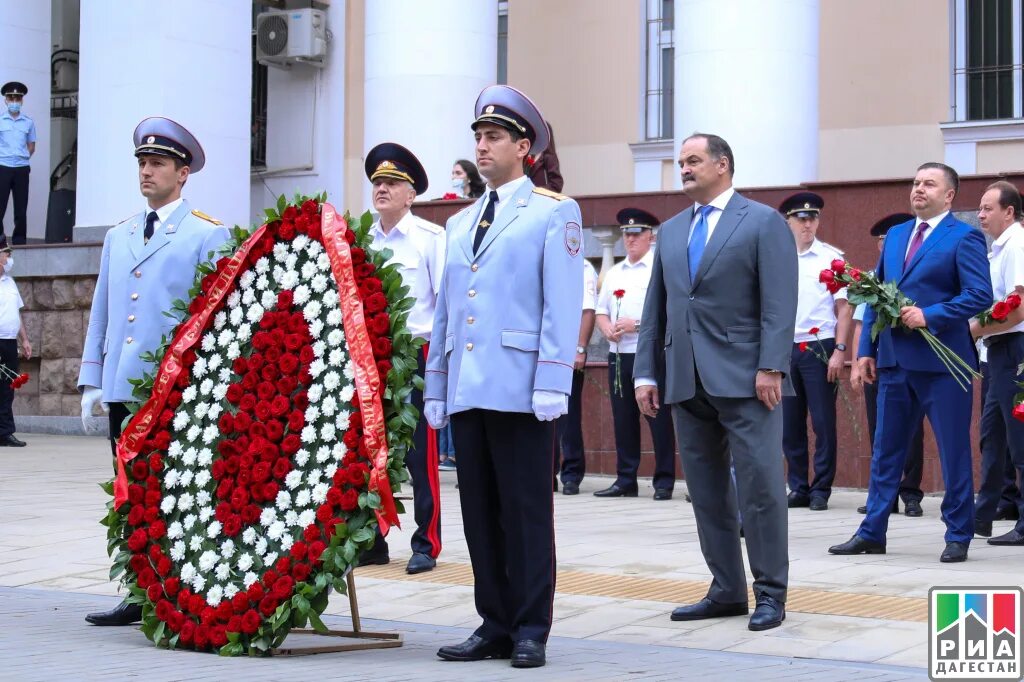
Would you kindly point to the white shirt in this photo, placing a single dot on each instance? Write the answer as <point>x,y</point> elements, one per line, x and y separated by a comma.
<point>162,213</point>
<point>418,248</point>
<point>589,286</point>
<point>718,203</point>
<point>10,304</point>
<point>927,233</point>
<point>815,306</point>
<point>505,193</point>
<point>633,279</point>
<point>1006,265</point>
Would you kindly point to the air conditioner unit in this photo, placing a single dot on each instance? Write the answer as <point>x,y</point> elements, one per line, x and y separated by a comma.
<point>286,36</point>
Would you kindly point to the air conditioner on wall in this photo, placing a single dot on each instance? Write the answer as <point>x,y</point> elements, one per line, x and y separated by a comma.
<point>287,36</point>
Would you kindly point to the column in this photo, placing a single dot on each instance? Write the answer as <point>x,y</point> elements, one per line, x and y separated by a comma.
<point>425,63</point>
<point>189,61</point>
<point>747,70</point>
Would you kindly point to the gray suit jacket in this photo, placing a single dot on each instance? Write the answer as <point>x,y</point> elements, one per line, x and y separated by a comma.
<point>736,318</point>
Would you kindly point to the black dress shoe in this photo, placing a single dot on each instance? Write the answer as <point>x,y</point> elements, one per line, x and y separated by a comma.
<point>769,613</point>
<point>476,648</point>
<point>122,614</point>
<point>1007,512</point>
<point>706,608</point>
<point>663,494</point>
<point>1012,539</point>
<point>857,545</point>
<point>863,509</point>
<point>376,555</point>
<point>420,563</point>
<point>794,500</point>
<point>686,496</point>
<point>954,553</point>
<point>11,442</point>
<point>983,528</point>
<point>570,488</point>
<point>818,504</point>
<point>913,508</point>
<point>528,653</point>
<point>616,490</point>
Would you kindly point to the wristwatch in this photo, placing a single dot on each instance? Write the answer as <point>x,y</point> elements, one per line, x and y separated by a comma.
<point>581,349</point>
<point>841,347</point>
<point>636,325</point>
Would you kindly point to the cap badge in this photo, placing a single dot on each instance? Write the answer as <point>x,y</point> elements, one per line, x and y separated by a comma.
<point>150,140</point>
<point>489,109</point>
<point>631,221</point>
<point>386,165</point>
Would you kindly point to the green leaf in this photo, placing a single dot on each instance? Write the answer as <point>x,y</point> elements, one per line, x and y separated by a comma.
<point>158,634</point>
<point>317,624</point>
<point>282,204</point>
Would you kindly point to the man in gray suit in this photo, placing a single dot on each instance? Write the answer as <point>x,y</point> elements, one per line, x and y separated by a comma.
<point>722,302</point>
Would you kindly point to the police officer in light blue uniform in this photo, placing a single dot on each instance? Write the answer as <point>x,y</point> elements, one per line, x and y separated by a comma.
<point>17,144</point>
<point>148,261</point>
<point>501,364</point>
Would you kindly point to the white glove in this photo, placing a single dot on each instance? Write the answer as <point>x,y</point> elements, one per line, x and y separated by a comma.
<point>435,412</point>
<point>549,405</point>
<point>90,396</point>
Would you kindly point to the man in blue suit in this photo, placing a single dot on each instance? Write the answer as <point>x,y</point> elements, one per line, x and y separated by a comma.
<point>941,264</point>
<point>148,261</point>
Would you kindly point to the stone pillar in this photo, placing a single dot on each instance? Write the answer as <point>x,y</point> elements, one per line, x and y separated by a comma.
<point>607,236</point>
<point>748,70</point>
<point>189,61</point>
<point>425,64</point>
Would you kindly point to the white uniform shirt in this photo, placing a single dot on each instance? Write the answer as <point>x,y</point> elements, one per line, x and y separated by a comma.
<point>418,248</point>
<point>589,286</point>
<point>815,306</point>
<point>162,214</point>
<point>10,304</point>
<point>633,279</point>
<point>1006,265</point>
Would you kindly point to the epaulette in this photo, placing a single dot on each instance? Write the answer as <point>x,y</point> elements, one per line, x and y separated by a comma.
<point>200,214</point>
<point>544,191</point>
<point>833,248</point>
<point>429,226</point>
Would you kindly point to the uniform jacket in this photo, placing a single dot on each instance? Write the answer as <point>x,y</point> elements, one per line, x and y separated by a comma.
<point>508,318</point>
<point>138,281</point>
<point>736,318</point>
<point>948,278</point>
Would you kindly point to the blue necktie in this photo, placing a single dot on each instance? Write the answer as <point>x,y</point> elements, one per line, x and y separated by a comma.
<point>698,240</point>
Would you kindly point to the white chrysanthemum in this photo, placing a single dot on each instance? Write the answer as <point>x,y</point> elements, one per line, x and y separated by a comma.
<point>311,310</point>
<point>329,405</point>
<point>230,590</point>
<point>174,531</point>
<point>291,517</point>
<point>213,532</point>
<point>286,542</point>
<point>276,530</point>
<point>227,548</point>
<point>204,457</point>
<point>338,451</point>
<point>207,560</point>
<point>334,317</point>
<point>319,348</point>
<point>320,492</point>
<point>316,328</point>
<point>202,477</point>
<point>235,297</point>
<point>185,500</point>
<point>219,391</point>
<point>327,432</point>
<point>202,409</point>
<point>179,424</point>
<point>323,261</point>
<point>209,342</point>
<point>323,454</point>
<point>293,479</point>
<point>284,500</point>
<point>188,457</point>
<point>319,284</point>
<point>269,558</point>
<point>249,579</point>
<point>188,571</point>
<point>224,375</point>
<point>263,265</point>
<point>199,367</point>
<point>263,281</point>
<point>308,270</point>
<point>236,316</point>
<point>245,562</point>
<point>198,582</point>
<point>189,394</point>
<point>248,298</point>
<point>167,504</point>
<point>189,521</point>
<point>331,381</point>
<point>255,313</point>
<point>207,384</point>
<point>308,434</point>
<point>261,545</point>
<point>215,411</point>
<point>178,551</point>
<point>231,353</point>
<point>210,433</point>
<point>307,517</point>
<point>222,571</point>
<point>281,251</point>
<point>330,469</point>
<point>342,421</point>
<point>330,298</point>
<point>245,282</point>
<point>244,333</point>
<point>268,299</point>
<point>300,242</point>
<point>171,478</point>
<point>290,279</point>
<point>186,478</point>
<point>336,357</point>
<point>302,499</point>
<point>301,294</point>
<point>291,261</point>
<point>301,457</point>
<point>349,371</point>
<point>312,413</point>
<point>226,336</point>
<point>203,497</point>
<point>220,319</point>
<point>346,393</point>
<point>195,543</point>
<point>215,362</point>
<point>335,337</point>
<point>314,393</point>
<point>317,367</point>
<point>215,595</point>
<point>205,514</point>
<point>249,535</point>
<point>174,450</point>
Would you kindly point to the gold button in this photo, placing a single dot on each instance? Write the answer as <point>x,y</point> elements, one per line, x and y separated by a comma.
<point>135,297</point>
<point>138,273</point>
<point>474,267</point>
<point>472,293</point>
<point>131,318</point>
<point>469,346</point>
<point>470,320</point>
<point>129,339</point>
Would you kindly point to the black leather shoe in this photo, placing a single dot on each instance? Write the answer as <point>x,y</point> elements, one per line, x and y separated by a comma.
<point>663,494</point>
<point>686,496</point>
<point>706,608</point>
<point>863,509</point>
<point>528,653</point>
<point>818,504</point>
<point>1007,512</point>
<point>913,508</point>
<point>375,556</point>
<point>797,500</point>
<point>615,490</point>
<point>769,613</point>
<point>11,442</point>
<point>954,553</point>
<point>570,488</point>
<point>420,563</point>
<point>122,614</point>
<point>1014,539</point>
<point>857,545</point>
<point>983,528</point>
<point>476,648</point>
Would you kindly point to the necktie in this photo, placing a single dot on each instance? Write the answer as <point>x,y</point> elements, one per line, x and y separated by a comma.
<point>485,220</point>
<point>915,244</point>
<point>150,220</point>
<point>698,240</point>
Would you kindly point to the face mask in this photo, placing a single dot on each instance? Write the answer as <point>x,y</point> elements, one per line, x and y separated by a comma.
<point>9,264</point>
<point>457,183</point>
<point>14,108</point>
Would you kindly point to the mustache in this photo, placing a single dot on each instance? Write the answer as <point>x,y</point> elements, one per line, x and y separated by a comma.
<point>688,176</point>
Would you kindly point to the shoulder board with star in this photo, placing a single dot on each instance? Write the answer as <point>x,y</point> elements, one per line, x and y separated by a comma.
<point>545,192</point>
<point>200,214</point>
<point>126,219</point>
<point>829,247</point>
<point>428,226</point>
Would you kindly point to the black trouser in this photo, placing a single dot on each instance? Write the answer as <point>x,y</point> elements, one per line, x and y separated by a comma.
<point>910,485</point>
<point>9,358</point>
<point>15,181</point>
<point>570,436</point>
<point>817,395</point>
<point>1001,434</point>
<point>626,417</point>
<point>505,464</point>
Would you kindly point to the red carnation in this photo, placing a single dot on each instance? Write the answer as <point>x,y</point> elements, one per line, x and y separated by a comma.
<point>135,493</point>
<point>376,303</point>
<point>324,512</point>
<point>283,586</point>
<point>153,593</point>
<point>250,622</point>
<point>140,470</point>
<point>286,231</point>
<point>300,571</point>
<point>382,348</point>
<point>233,526</point>
<point>349,500</point>
<point>250,514</point>
<point>157,530</point>
<point>174,399</point>
<point>163,565</point>
<point>188,631</point>
<point>137,541</point>
<point>803,346</point>
<point>310,207</point>
<point>813,331</point>
<point>317,548</point>
<point>350,237</point>
<point>171,586</point>
<point>197,305</point>
<point>163,607</point>
<point>358,255</point>
<point>379,324</point>
<point>267,606</point>
<point>371,285</point>
<point>311,533</point>
<point>135,515</point>
<point>383,367</point>
<point>202,636</point>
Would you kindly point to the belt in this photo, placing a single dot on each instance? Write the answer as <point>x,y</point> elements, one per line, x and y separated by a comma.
<point>1001,338</point>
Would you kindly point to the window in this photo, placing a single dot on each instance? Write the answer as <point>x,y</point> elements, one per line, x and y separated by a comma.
<point>503,42</point>
<point>987,60</point>
<point>659,67</point>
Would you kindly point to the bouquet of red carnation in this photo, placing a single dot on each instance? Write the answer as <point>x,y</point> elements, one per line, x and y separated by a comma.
<point>999,311</point>
<point>17,380</point>
<point>887,302</point>
<point>618,294</point>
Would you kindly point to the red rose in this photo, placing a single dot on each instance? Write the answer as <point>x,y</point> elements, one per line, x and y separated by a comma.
<point>250,622</point>
<point>273,354</point>
<point>257,430</point>
<point>833,287</point>
<point>275,430</point>
<point>376,303</point>
<point>153,593</point>
<point>317,548</point>
<point>288,363</point>
<point>371,285</point>
<point>300,571</point>
<point>382,348</point>
<point>310,207</point>
<point>283,586</point>
<point>349,500</point>
<point>1018,412</point>
<point>826,276</point>
<point>271,372</point>
<point>351,437</point>
<point>356,475</point>
<point>218,469</point>
<point>1013,300</point>
<point>234,393</point>
<point>242,422</point>
<point>250,514</point>
<point>380,324</point>
<point>261,472</point>
<point>291,444</point>
<point>306,355</point>
<point>293,342</point>
<point>262,410</point>
<point>334,497</point>
<point>350,237</point>
<point>226,424</point>
<point>855,274</point>
<point>999,311</point>
<point>839,266</point>
<point>281,467</point>
<point>247,403</point>
<point>383,367</point>
<point>301,400</point>
<point>268,451</point>
<point>197,305</point>
<point>279,405</point>
<point>296,420</point>
<point>270,491</point>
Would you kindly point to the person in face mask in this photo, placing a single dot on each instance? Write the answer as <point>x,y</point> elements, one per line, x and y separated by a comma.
<point>466,180</point>
<point>17,144</point>
<point>11,331</point>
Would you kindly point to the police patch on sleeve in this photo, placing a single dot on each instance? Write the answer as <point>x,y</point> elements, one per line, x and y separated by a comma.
<point>573,238</point>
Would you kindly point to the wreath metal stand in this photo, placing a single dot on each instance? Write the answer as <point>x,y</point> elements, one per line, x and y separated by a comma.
<point>305,645</point>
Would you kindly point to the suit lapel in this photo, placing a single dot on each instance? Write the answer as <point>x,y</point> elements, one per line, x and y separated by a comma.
<point>940,232</point>
<point>163,236</point>
<point>730,219</point>
<point>685,221</point>
<point>467,226</point>
<point>519,200</point>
